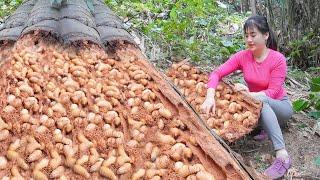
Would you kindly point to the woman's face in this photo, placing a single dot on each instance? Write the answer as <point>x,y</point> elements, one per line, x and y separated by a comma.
<point>255,40</point>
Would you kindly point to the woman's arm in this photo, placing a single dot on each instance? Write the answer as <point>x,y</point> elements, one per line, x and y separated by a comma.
<point>277,78</point>
<point>232,64</point>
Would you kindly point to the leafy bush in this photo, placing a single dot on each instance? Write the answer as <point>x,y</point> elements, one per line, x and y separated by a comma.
<point>8,6</point>
<point>312,103</point>
<point>201,30</point>
<point>304,52</point>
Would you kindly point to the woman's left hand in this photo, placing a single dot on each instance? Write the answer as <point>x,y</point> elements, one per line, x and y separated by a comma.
<point>240,87</point>
<point>256,94</point>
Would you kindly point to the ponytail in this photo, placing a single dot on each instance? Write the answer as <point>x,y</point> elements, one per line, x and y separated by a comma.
<point>271,41</point>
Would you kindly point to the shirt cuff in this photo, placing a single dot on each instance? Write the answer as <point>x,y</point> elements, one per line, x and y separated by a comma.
<point>213,81</point>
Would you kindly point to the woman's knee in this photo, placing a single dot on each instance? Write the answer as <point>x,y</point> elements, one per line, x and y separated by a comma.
<point>285,114</point>
<point>263,98</point>
<point>284,121</point>
<point>290,114</point>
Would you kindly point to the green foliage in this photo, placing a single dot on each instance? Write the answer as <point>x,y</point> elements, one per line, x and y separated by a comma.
<point>297,46</point>
<point>297,74</point>
<point>55,2</point>
<point>313,101</point>
<point>90,5</point>
<point>304,52</point>
<point>201,30</point>
<point>300,104</point>
<point>315,84</point>
<point>302,126</point>
<point>315,114</point>
<point>8,6</point>
<point>317,161</point>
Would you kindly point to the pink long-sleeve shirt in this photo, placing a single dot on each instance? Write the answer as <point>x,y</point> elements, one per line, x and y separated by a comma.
<point>267,76</point>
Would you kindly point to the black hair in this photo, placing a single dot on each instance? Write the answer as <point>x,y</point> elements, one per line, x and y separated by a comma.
<point>260,22</point>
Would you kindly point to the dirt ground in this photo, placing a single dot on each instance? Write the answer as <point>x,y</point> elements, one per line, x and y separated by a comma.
<point>302,144</point>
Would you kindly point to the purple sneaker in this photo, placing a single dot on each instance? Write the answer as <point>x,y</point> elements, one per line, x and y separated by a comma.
<point>278,168</point>
<point>261,136</point>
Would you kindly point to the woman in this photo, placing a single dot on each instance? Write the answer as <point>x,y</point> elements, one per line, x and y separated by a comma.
<point>264,70</point>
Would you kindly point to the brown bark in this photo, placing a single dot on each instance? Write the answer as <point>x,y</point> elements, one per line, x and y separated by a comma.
<point>244,5</point>
<point>253,7</point>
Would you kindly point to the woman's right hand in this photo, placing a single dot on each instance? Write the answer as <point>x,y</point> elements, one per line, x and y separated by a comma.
<point>209,104</point>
